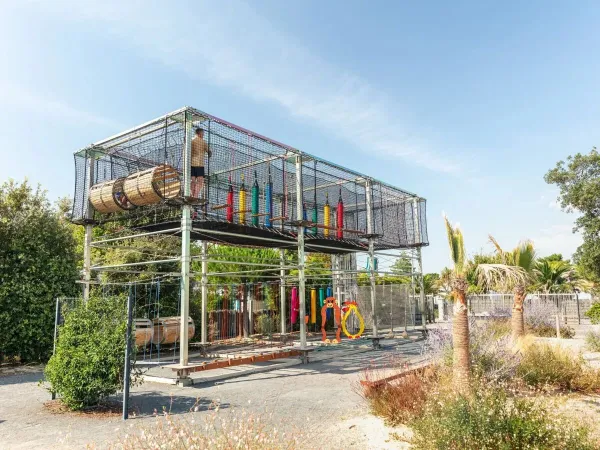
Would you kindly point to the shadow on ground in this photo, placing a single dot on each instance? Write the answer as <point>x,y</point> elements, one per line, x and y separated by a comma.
<point>30,376</point>
<point>149,403</point>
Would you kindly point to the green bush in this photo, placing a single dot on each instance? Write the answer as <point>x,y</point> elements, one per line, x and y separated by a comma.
<point>547,365</point>
<point>490,419</point>
<point>592,340</point>
<point>38,262</point>
<point>546,330</point>
<point>90,353</point>
<point>266,323</point>
<point>594,313</point>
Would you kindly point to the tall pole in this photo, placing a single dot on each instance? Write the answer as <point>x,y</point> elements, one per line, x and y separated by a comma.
<point>186,226</point>
<point>204,293</point>
<point>338,278</point>
<point>87,243</point>
<point>420,262</point>
<point>282,290</point>
<point>127,356</point>
<point>301,280</point>
<point>369,195</point>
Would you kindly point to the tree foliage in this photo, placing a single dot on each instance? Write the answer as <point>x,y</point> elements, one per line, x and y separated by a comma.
<point>90,353</point>
<point>38,262</point>
<point>578,179</point>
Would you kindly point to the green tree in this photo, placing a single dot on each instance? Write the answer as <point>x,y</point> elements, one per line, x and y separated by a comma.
<point>431,284</point>
<point>38,262</point>
<point>523,256</point>
<point>90,353</point>
<point>552,257</point>
<point>402,265</point>
<point>489,276</point>
<point>578,179</point>
<point>556,277</point>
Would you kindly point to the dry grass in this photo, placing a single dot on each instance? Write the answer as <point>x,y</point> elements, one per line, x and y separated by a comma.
<point>551,366</point>
<point>215,431</point>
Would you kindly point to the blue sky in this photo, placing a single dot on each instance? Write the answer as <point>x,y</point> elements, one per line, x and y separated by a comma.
<point>466,103</point>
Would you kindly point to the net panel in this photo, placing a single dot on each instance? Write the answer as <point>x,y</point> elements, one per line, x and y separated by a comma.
<point>266,170</point>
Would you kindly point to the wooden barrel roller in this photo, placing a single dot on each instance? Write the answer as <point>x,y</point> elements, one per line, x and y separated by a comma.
<point>143,332</point>
<point>152,185</point>
<point>109,197</point>
<point>166,330</point>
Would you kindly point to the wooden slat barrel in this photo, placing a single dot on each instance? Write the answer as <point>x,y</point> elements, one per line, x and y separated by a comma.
<point>109,197</point>
<point>166,330</point>
<point>152,185</point>
<point>143,332</point>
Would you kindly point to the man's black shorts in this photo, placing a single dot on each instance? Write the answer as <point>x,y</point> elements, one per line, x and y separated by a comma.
<point>197,171</point>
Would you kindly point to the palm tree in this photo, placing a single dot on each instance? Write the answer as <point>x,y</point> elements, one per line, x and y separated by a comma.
<point>489,276</point>
<point>556,276</point>
<point>523,256</point>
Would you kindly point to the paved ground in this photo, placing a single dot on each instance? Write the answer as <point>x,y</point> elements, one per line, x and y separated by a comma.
<point>318,398</point>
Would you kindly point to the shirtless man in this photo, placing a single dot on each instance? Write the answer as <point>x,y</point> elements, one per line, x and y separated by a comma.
<point>200,151</point>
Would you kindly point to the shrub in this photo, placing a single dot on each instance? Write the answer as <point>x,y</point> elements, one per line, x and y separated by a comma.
<point>398,401</point>
<point>491,354</point>
<point>38,262</point>
<point>540,320</point>
<point>490,419</point>
<point>545,330</point>
<point>266,323</point>
<point>547,365</point>
<point>238,430</point>
<point>592,340</point>
<point>88,364</point>
<point>594,313</point>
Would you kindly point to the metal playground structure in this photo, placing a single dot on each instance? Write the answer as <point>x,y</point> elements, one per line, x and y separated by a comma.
<point>251,192</point>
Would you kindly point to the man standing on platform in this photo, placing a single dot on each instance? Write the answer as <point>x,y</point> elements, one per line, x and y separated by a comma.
<point>200,152</point>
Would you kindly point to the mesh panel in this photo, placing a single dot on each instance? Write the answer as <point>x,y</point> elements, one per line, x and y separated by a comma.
<point>240,156</point>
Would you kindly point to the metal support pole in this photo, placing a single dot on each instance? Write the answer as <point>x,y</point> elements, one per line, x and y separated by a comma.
<point>186,226</point>
<point>89,229</point>
<point>282,291</point>
<point>87,262</point>
<point>338,278</point>
<point>204,293</point>
<point>370,231</point>
<point>56,320</point>
<point>420,263</point>
<point>578,310</point>
<point>301,278</point>
<point>127,356</point>
<point>250,305</point>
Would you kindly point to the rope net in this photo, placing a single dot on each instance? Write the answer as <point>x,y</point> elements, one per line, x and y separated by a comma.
<point>250,184</point>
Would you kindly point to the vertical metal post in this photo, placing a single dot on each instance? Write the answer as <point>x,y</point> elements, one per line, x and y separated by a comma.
<point>56,320</point>
<point>204,293</point>
<point>186,226</point>
<point>282,291</point>
<point>251,309</point>
<point>301,278</point>
<point>578,310</point>
<point>370,231</point>
<point>392,307</point>
<point>89,229</point>
<point>420,263</point>
<point>338,278</point>
<point>127,377</point>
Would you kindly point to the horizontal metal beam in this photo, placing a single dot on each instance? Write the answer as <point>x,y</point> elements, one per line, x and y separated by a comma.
<point>150,233</point>
<point>141,263</point>
<point>245,166</point>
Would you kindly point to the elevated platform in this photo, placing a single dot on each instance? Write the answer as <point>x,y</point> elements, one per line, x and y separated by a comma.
<point>261,236</point>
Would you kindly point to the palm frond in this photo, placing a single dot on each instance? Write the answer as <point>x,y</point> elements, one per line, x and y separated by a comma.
<point>457,246</point>
<point>500,277</point>
<point>495,243</point>
<point>525,256</point>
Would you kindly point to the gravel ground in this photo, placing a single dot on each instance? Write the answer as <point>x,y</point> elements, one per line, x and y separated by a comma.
<point>319,399</point>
